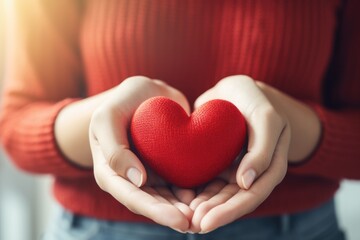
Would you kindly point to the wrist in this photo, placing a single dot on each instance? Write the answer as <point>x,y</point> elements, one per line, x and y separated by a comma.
<point>71,129</point>
<point>307,135</point>
<point>67,129</point>
<point>304,123</point>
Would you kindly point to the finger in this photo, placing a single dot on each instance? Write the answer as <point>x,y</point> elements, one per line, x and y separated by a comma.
<point>264,130</point>
<point>210,190</point>
<point>137,200</point>
<point>175,95</point>
<point>134,86</point>
<point>184,195</point>
<point>153,192</point>
<point>245,201</point>
<point>154,180</point>
<point>264,123</point>
<point>229,174</point>
<point>241,90</point>
<point>222,196</point>
<point>163,194</point>
<point>203,98</point>
<point>166,194</point>
<point>109,123</point>
<point>111,138</point>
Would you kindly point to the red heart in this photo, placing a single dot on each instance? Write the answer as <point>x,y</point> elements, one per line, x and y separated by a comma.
<point>187,150</point>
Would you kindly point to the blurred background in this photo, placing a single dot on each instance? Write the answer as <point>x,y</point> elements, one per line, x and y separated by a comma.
<point>25,200</point>
<point>26,204</point>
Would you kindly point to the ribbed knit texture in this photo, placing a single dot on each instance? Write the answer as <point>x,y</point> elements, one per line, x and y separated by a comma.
<point>191,44</point>
<point>287,44</point>
<point>187,151</point>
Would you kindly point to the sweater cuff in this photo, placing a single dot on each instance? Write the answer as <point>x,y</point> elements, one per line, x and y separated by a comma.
<point>333,157</point>
<point>34,147</point>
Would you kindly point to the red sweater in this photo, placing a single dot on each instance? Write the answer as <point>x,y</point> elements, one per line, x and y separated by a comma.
<point>306,48</point>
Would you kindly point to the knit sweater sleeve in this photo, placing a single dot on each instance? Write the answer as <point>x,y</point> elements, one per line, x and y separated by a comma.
<point>338,153</point>
<point>43,75</point>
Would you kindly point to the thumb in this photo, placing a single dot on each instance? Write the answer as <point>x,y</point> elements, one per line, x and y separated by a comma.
<point>203,98</point>
<point>125,164</point>
<point>110,148</point>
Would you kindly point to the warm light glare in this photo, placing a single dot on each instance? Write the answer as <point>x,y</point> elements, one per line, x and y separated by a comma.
<point>2,37</point>
<point>6,19</point>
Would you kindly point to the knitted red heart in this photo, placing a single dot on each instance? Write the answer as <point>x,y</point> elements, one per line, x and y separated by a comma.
<point>187,150</point>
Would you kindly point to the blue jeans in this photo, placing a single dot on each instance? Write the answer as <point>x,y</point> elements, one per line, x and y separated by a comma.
<point>316,224</point>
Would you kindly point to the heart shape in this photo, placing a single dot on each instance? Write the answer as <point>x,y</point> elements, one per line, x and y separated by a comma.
<point>187,150</point>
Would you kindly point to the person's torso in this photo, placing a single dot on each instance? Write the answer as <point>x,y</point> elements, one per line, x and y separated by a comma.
<point>192,44</point>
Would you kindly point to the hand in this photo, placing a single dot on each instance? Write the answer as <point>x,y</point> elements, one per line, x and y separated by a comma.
<point>237,193</point>
<point>304,123</point>
<point>118,171</point>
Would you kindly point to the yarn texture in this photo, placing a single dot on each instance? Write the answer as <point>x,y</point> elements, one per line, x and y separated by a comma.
<point>187,150</point>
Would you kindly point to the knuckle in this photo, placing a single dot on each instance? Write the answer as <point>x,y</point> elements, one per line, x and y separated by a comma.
<point>263,112</point>
<point>264,163</point>
<point>96,118</point>
<point>156,86</point>
<point>204,207</point>
<point>177,95</point>
<point>261,85</point>
<point>269,113</point>
<point>165,90</point>
<point>227,84</point>
<point>114,160</point>
<point>93,139</point>
<point>159,82</point>
<point>102,115</point>
<point>136,80</point>
<point>246,79</point>
<point>238,78</point>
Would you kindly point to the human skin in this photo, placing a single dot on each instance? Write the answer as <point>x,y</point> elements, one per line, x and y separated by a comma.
<point>281,130</point>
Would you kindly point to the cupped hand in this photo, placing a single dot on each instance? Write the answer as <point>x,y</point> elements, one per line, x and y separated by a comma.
<point>117,169</point>
<point>244,187</point>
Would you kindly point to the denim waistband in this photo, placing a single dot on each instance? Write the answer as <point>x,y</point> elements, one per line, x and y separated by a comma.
<point>314,224</point>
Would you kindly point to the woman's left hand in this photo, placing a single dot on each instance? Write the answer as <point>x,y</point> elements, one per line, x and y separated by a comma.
<point>241,189</point>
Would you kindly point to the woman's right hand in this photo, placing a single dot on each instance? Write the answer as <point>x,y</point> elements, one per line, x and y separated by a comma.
<point>117,169</point>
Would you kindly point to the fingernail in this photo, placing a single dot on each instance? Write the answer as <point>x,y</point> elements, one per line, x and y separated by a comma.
<point>248,178</point>
<point>134,176</point>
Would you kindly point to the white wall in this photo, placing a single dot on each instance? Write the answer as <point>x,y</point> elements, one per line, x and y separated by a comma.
<point>25,200</point>
<point>25,203</point>
<point>348,208</point>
